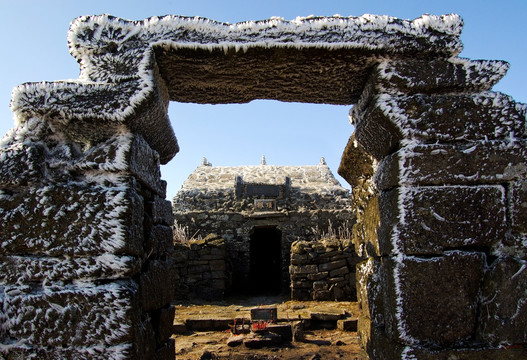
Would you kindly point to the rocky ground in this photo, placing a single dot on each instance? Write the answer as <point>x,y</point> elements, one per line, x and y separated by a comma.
<point>202,331</point>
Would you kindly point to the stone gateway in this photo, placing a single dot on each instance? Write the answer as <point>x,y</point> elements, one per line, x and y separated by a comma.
<point>437,166</point>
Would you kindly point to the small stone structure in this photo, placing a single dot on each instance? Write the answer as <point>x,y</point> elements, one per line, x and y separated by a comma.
<point>201,268</point>
<point>323,270</point>
<point>260,210</point>
<point>85,242</point>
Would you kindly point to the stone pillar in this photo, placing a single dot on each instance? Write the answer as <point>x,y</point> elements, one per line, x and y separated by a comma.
<point>86,239</point>
<point>442,226</point>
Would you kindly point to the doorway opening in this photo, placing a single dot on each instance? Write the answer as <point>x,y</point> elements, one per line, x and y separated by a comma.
<point>265,261</point>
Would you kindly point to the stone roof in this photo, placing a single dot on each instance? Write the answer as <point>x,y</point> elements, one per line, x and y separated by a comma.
<point>304,178</point>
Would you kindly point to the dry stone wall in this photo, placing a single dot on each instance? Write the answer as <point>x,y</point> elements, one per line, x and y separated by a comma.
<point>323,270</point>
<point>439,222</point>
<point>201,268</point>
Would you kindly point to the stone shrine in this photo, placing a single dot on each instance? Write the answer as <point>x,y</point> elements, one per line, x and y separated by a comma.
<point>260,211</point>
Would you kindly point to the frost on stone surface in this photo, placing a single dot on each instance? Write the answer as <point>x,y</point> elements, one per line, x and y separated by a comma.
<point>79,315</point>
<point>309,186</point>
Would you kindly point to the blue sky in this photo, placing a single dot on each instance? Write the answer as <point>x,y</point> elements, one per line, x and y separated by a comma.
<point>34,48</point>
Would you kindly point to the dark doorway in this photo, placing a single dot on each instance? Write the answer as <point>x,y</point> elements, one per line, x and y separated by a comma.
<point>266,260</point>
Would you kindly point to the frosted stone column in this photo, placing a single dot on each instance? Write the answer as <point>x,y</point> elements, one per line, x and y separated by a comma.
<point>442,221</point>
<point>86,267</point>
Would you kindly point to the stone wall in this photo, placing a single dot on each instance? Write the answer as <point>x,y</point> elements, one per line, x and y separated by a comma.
<point>236,229</point>
<point>201,268</point>
<point>440,222</point>
<point>323,270</point>
<point>87,251</point>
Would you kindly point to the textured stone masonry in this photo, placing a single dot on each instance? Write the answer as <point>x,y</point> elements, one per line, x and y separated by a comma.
<point>86,260</point>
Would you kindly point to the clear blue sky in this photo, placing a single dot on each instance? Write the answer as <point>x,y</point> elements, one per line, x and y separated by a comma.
<point>34,48</point>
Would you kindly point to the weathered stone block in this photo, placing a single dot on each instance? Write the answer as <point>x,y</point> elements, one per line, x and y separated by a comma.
<point>91,113</point>
<point>517,200</point>
<point>426,305</point>
<point>318,276</point>
<point>332,265</point>
<point>356,164</point>
<point>470,163</point>
<point>320,285</point>
<point>72,219</point>
<point>365,231</point>
<point>161,241</point>
<point>370,290</point>
<point>428,220</point>
<point>163,323</point>
<point>432,76</point>
<point>340,271</point>
<point>381,347</point>
<point>70,315</point>
<point>115,352</point>
<point>503,313</point>
<point>157,285</point>
<point>21,164</point>
<point>427,118</point>
<point>124,153</point>
<point>302,284</point>
<point>161,211</point>
<point>305,269</point>
<point>167,351</point>
<point>321,295</point>
<point>21,269</point>
<point>300,294</point>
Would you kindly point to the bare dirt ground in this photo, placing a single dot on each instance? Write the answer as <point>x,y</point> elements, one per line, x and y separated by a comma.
<point>318,343</point>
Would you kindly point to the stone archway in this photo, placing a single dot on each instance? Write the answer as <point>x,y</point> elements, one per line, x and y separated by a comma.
<point>441,222</point>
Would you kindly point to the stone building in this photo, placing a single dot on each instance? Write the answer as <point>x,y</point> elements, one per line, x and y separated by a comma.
<point>260,211</point>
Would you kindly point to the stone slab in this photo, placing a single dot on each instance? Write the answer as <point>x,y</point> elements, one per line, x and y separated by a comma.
<point>25,270</point>
<point>21,164</point>
<point>91,113</point>
<point>431,219</point>
<point>127,153</point>
<point>391,121</point>
<point>480,162</point>
<point>70,316</point>
<point>412,76</point>
<point>74,219</point>
<point>503,313</point>
<point>432,301</point>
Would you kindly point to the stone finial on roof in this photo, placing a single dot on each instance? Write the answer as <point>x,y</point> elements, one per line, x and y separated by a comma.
<point>322,161</point>
<point>263,162</point>
<point>204,162</point>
